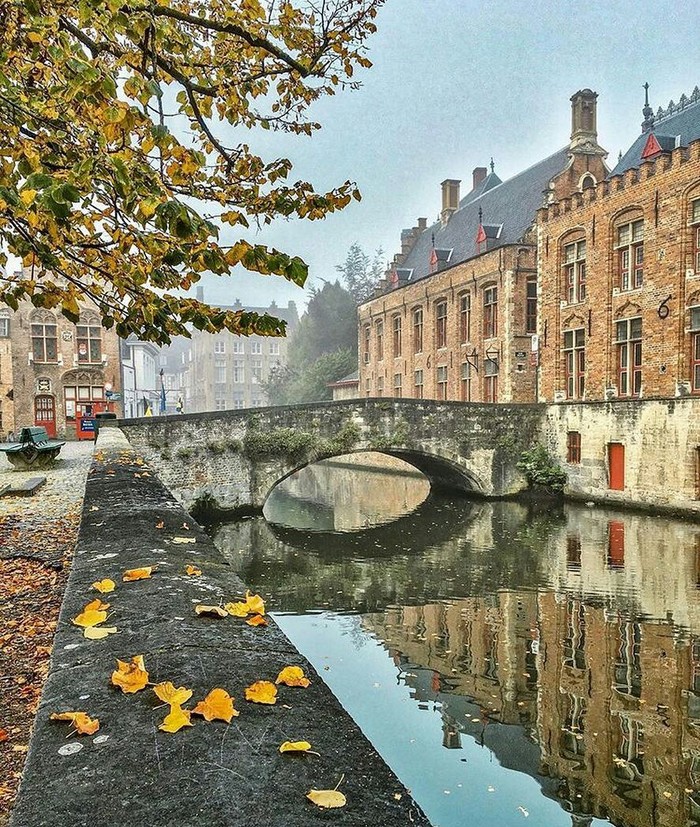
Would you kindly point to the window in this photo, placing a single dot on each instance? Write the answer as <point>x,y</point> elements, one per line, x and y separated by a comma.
<point>575,271</point>
<point>396,335</point>
<point>380,340</point>
<point>78,399</point>
<point>368,387</point>
<point>219,404</point>
<point>44,341</point>
<point>695,234</point>
<point>531,305</point>
<point>441,324</point>
<point>616,544</point>
<point>365,344</point>
<point>397,385</point>
<point>490,380</point>
<point>256,371</point>
<point>256,347</point>
<point>442,382</point>
<point>89,340</point>
<point>380,386</point>
<point>573,447</point>
<point>575,362</point>
<point>465,318</point>
<point>490,312</point>
<point>418,384</point>
<point>629,356</point>
<point>274,348</point>
<point>695,349</point>
<point>418,330</point>
<point>630,254</point>
<point>4,324</point>
<point>220,372</point>
<point>238,404</point>
<point>238,370</point>
<point>238,346</point>
<point>219,346</point>
<point>466,382</point>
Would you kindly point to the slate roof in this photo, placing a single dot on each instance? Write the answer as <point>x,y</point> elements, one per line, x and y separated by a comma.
<point>676,129</point>
<point>508,210</point>
<point>350,379</point>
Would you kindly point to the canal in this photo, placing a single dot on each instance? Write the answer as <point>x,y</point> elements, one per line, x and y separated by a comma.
<point>514,664</point>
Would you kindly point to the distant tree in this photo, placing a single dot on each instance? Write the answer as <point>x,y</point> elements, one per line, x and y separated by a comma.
<point>360,273</point>
<point>322,349</point>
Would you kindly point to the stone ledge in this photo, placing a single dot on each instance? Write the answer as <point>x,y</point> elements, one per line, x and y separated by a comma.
<point>213,774</point>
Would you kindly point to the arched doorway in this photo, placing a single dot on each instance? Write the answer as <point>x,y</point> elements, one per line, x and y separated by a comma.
<point>45,413</point>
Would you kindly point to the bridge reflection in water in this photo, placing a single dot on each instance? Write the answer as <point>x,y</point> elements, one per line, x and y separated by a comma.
<point>565,641</point>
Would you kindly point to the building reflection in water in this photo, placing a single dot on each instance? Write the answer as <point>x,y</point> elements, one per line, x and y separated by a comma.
<point>579,631</point>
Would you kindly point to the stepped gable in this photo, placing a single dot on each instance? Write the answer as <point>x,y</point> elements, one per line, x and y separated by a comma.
<point>677,125</point>
<point>508,209</point>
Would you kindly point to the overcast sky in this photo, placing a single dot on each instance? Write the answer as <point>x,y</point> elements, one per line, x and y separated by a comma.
<point>455,82</point>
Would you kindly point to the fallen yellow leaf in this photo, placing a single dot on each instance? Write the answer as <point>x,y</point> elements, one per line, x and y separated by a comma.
<point>256,620</point>
<point>295,746</point>
<point>83,723</point>
<point>105,586</point>
<point>327,799</point>
<point>130,677</point>
<point>99,632</point>
<point>193,571</point>
<point>214,611</point>
<point>97,605</point>
<point>90,617</point>
<point>181,540</point>
<point>217,704</point>
<point>167,692</point>
<point>261,692</point>
<point>236,609</point>
<point>138,574</point>
<point>255,603</point>
<point>293,676</point>
<point>176,719</point>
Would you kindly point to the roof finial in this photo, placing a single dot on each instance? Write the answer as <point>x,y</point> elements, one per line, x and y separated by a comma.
<point>647,111</point>
<point>432,239</point>
<point>492,165</point>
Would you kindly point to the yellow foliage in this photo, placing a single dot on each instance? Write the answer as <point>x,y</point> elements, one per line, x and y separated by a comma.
<point>236,609</point>
<point>130,677</point>
<point>105,586</point>
<point>138,574</point>
<point>214,611</point>
<point>183,540</point>
<point>83,723</point>
<point>261,692</point>
<point>293,676</point>
<point>99,632</point>
<point>90,617</point>
<point>256,620</point>
<point>176,719</point>
<point>327,799</point>
<point>193,571</point>
<point>167,693</point>
<point>295,746</point>
<point>255,603</point>
<point>217,705</point>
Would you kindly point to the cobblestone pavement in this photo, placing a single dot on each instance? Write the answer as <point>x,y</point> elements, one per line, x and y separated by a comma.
<point>37,540</point>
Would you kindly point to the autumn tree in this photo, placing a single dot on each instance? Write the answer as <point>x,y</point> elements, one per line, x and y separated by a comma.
<point>119,163</point>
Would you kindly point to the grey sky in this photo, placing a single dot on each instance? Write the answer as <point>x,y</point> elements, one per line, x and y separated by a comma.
<point>455,82</point>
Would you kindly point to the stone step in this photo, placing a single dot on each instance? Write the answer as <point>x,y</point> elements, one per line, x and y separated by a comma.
<point>27,488</point>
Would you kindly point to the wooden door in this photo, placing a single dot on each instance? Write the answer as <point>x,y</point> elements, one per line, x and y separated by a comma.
<point>45,413</point>
<point>616,466</point>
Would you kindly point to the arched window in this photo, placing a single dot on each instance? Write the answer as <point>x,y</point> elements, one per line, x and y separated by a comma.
<point>44,335</point>
<point>89,339</point>
<point>573,258</point>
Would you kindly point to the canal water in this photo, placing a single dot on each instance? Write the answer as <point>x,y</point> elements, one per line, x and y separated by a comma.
<point>513,664</point>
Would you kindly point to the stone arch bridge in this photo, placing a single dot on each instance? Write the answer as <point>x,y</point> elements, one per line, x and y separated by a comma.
<point>231,460</point>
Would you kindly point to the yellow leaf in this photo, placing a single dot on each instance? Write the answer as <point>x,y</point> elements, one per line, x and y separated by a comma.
<point>167,692</point>
<point>99,632</point>
<point>130,677</point>
<point>193,571</point>
<point>293,676</point>
<point>217,704</point>
<point>138,574</point>
<point>176,719</point>
<point>83,723</point>
<point>295,746</point>
<point>27,196</point>
<point>327,799</point>
<point>181,540</point>
<point>96,605</point>
<point>214,611</point>
<point>236,609</point>
<point>105,586</point>
<point>90,617</point>
<point>34,37</point>
<point>161,524</point>
<point>255,603</point>
<point>261,692</point>
<point>256,620</point>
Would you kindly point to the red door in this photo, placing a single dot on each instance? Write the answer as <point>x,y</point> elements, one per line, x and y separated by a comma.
<point>45,413</point>
<point>616,465</point>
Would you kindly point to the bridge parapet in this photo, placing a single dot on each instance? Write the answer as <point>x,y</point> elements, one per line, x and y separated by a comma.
<point>231,460</point>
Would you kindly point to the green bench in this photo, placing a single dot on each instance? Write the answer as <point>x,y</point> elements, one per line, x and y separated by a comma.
<point>34,450</point>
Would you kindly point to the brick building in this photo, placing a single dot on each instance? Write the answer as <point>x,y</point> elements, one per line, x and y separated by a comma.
<point>619,270</point>
<point>455,315</point>
<point>60,371</point>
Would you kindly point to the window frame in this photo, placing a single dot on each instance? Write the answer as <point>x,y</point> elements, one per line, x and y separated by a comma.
<point>629,357</point>
<point>379,339</point>
<point>397,385</point>
<point>573,447</point>
<point>41,355</point>
<point>396,335</point>
<point>490,307</point>
<point>630,255</point>
<point>531,305</point>
<point>418,330</point>
<point>441,379</point>
<point>574,268</point>
<point>491,368</point>
<point>418,385</point>
<point>440,324</point>
<point>465,382</point>
<point>575,362</point>
<point>465,317</point>
<point>92,356</point>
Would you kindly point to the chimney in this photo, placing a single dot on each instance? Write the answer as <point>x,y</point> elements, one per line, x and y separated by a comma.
<point>422,223</point>
<point>200,293</point>
<point>584,129</point>
<point>478,175</point>
<point>450,199</point>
